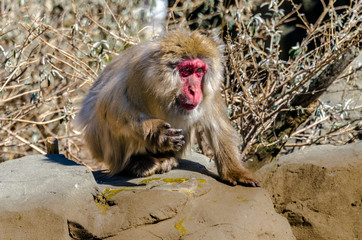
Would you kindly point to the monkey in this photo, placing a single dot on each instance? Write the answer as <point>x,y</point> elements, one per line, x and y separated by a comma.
<point>140,115</point>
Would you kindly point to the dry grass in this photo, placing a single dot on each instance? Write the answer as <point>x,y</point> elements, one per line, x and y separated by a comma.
<point>51,53</point>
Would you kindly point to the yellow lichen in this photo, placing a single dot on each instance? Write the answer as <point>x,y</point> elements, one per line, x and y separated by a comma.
<point>102,200</point>
<point>187,191</point>
<point>175,180</point>
<point>245,201</point>
<point>181,228</point>
<point>146,181</point>
<point>111,192</point>
<point>201,181</point>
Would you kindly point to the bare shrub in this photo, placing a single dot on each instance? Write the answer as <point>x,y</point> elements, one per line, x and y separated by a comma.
<point>260,86</point>
<point>51,53</point>
<point>268,98</point>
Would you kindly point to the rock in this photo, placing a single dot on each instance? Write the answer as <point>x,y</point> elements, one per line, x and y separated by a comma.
<point>51,197</point>
<point>319,190</point>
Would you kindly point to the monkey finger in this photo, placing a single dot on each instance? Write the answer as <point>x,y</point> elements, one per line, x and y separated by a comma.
<point>177,143</point>
<point>180,144</point>
<point>230,182</point>
<point>173,142</point>
<point>176,139</point>
<point>255,183</point>
<point>250,182</point>
<point>166,125</point>
<point>173,132</point>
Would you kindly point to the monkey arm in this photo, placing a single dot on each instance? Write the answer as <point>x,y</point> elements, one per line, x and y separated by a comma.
<point>130,122</point>
<point>224,142</point>
<point>160,137</point>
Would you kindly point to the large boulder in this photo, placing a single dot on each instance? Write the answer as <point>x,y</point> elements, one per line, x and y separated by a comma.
<point>319,190</point>
<point>51,197</point>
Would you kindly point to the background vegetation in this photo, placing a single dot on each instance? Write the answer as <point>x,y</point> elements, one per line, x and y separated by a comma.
<point>51,51</point>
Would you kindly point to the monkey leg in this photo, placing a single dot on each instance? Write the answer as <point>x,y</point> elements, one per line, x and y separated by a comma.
<point>145,165</point>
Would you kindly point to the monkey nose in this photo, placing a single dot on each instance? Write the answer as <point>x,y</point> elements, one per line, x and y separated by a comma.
<point>192,90</point>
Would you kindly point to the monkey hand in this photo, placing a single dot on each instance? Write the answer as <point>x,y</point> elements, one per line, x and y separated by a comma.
<point>163,138</point>
<point>242,176</point>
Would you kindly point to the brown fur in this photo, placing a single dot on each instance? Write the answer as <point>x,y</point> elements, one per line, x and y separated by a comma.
<point>132,120</point>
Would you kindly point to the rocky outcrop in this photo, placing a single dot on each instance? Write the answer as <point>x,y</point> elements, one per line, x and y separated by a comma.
<point>51,197</point>
<point>319,190</point>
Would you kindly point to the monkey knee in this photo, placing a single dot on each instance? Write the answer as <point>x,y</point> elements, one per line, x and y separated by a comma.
<point>141,166</point>
<point>166,164</point>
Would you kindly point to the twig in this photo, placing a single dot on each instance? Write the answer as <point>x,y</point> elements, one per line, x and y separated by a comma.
<point>25,141</point>
<point>33,122</point>
<point>17,96</point>
<point>310,126</point>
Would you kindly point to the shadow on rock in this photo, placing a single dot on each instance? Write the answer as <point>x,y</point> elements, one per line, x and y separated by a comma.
<point>192,166</point>
<point>122,179</point>
<point>102,177</point>
<point>61,159</point>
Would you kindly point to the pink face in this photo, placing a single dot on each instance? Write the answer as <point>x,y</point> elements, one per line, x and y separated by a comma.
<point>191,72</point>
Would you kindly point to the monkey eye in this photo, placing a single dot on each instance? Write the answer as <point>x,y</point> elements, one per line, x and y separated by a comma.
<point>199,70</point>
<point>186,70</point>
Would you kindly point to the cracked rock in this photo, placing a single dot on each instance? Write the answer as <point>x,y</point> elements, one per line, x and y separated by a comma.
<point>51,197</point>
<point>319,191</point>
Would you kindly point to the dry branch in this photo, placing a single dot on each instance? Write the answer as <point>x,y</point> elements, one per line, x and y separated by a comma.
<point>52,145</point>
<point>286,122</point>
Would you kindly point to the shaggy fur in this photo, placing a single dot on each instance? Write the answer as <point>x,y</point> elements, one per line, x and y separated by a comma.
<point>133,122</point>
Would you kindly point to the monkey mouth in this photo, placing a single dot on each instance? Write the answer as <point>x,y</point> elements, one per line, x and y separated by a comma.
<point>185,104</point>
<point>188,106</point>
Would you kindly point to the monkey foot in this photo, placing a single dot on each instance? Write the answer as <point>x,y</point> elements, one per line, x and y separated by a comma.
<point>242,177</point>
<point>248,182</point>
<point>146,165</point>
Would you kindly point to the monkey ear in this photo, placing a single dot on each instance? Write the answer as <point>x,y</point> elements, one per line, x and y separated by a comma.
<point>220,44</point>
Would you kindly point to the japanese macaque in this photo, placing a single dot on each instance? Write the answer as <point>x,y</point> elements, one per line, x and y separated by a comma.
<point>140,114</point>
